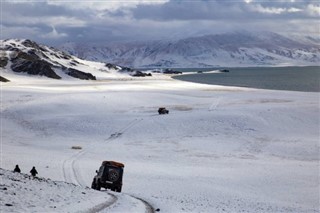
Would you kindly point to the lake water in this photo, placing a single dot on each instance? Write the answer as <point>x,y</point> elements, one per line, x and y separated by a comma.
<point>306,79</point>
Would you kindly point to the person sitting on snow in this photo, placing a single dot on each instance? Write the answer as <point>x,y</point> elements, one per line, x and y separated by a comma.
<point>17,169</point>
<point>33,171</point>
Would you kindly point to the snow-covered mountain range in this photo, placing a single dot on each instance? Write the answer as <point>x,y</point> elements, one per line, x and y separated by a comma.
<point>227,50</point>
<point>25,56</point>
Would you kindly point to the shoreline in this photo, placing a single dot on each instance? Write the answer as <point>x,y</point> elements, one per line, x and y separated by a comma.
<point>299,79</point>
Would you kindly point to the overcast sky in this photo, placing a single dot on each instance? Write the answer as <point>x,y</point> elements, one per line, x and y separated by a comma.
<point>58,21</point>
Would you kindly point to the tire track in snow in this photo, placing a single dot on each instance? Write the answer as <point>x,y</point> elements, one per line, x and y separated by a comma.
<point>77,176</point>
<point>71,175</point>
<point>124,129</point>
<point>149,208</point>
<point>117,201</point>
<point>113,199</point>
<point>68,168</point>
<point>128,203</point>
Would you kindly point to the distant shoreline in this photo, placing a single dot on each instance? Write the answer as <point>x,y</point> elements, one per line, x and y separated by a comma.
<point>303,79</point>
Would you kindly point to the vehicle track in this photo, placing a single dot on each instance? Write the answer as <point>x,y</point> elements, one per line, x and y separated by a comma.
<point>124,129</point>
<point>115,203</point>
<point>68,169</point>
<point>149,208</point>
<point>113,199</point>
<point>124,200</point>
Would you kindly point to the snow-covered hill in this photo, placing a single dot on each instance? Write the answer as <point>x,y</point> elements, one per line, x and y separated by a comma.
<point>230,50</point>
<point>24,193</point>
<point>221,149</point>
<point>27,57</point>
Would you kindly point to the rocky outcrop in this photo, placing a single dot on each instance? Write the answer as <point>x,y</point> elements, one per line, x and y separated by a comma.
<point>37,67</point>
<point>3,61</point>
<point>25,56</point>
<point>35,61</point>
<point>79,74</point>
<point>2,79</point>
<point>140,74</point>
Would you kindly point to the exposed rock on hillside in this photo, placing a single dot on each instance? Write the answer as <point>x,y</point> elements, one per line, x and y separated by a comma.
<point>3,61</point>
<point>32,64</point>
<point>81,75</point>
<point>25,56</point>
<point>2,79</point>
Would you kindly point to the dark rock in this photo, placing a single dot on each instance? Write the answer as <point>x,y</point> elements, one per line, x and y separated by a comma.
<point>126,69</point>
<point>11,48</point>
<point>45,56</point>
<point>74,61</point>
<point>43,49</point>
<point>112,66</point>
<point>25,56</point>
<point>33,67</point>
<point>32,44</point>
<point>140,74</point>
<point>8,204</point>
<point>2,79</point>
<point>157,210</point>
<point>170,71</point>
<point>3,61</point>
<point>65,56</point>
<point>32,53</point>
<point>56,55</point>
<point>79,74</point>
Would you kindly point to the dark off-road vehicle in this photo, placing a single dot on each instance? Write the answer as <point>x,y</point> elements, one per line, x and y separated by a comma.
<point>163,110</point>
<point>109,176</point>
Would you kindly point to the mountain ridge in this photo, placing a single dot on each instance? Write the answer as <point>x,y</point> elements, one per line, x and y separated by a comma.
<point>219,50</point>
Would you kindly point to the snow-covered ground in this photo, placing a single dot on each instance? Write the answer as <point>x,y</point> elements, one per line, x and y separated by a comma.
<point>220,149</point>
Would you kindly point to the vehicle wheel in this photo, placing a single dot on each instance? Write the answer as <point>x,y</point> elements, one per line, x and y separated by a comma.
<point>113,175</point>
<point>98,186</point>
<point>118,189</point>
<point>93,185</point>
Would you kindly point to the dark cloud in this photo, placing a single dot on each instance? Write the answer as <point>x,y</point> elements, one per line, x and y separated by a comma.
<point>33,9</point>
<point>55,22</point>
<point>191,10</point>
<point>223,10</point>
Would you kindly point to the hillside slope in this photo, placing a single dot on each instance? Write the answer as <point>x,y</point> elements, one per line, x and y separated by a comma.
<point>25,57</point>
<point>23,193</point>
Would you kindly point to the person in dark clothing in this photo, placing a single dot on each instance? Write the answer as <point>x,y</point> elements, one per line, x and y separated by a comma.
<point>17,169</point>
<point>33,171</point>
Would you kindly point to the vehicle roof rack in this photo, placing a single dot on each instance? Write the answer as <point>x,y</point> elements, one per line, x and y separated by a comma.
<point>113,163</point>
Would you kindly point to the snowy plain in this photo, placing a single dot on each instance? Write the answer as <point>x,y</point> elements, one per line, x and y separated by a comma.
<point>220,149</point>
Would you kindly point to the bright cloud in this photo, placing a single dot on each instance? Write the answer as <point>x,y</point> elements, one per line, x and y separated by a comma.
<point>313,10</point>
<point>275,10</point>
